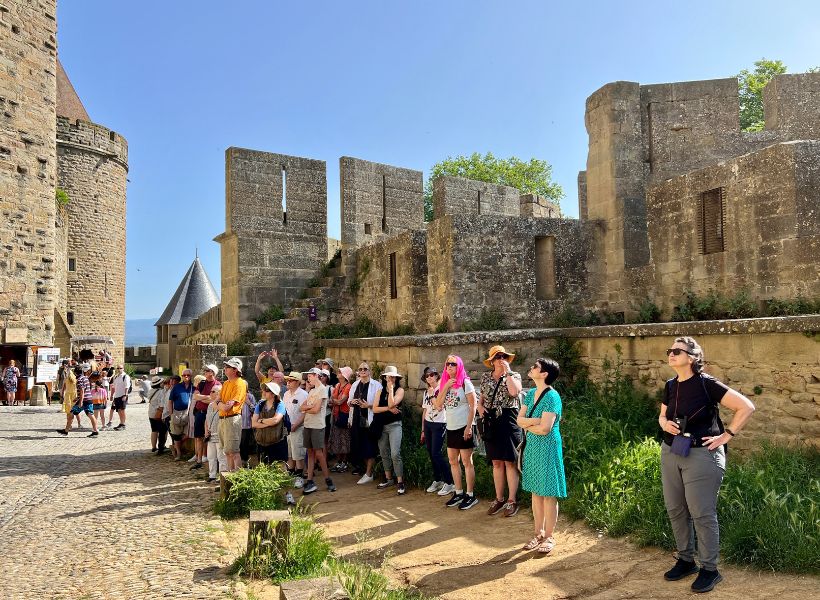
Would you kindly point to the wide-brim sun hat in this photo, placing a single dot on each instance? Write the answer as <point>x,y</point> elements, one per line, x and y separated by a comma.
<point>315,371</point>
<point>273,387</point>
<point>346,372</point>
<point>235,363</point>
<point>497,350</point>
<point>157,381</point>
<point>212,368</point>
<point>294,376</point>
<point>391,371</point>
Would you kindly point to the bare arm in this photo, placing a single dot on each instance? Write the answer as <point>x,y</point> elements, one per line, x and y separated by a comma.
<point>540,426</point>
<point>442,394</point>
<point>743,409</point>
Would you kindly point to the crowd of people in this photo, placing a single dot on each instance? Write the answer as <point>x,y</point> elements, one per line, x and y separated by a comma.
<point>305,421</point>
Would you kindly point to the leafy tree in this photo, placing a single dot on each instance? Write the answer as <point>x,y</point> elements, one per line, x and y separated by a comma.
<point>533,177</point>
<point>750,89</point>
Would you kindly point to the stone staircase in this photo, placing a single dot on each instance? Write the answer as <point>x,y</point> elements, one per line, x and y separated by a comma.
<point>293,336</point>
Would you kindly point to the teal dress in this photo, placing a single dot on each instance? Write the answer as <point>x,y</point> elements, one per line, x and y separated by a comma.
<point>543,469</point>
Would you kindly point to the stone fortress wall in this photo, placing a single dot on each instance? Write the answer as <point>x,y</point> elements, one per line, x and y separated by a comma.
<point>28,170</point>
<point>92,169</point>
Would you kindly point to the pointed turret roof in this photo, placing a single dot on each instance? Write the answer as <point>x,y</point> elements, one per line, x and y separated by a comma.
<point>68,102</point>
<point>194,296</point>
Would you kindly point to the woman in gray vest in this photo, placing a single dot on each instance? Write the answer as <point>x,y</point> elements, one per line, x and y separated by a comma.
<point>693,459</point>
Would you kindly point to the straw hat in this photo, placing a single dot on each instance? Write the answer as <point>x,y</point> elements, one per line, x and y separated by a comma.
<point>294,376</point>
<point>497,350</point>
<point>391,371</point>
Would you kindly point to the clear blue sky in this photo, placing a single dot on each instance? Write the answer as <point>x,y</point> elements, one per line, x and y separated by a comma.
<point>400,83</point>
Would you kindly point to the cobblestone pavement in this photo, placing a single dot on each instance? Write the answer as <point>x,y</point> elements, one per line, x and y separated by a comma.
<point>102,517</point>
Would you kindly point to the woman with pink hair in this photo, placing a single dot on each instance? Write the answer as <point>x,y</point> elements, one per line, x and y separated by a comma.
<point>457,394</point>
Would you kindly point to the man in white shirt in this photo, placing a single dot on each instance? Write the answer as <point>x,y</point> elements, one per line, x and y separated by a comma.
<point>120,386</point>
<point>293,398</point>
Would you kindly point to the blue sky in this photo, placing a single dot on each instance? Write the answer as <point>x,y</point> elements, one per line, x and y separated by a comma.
<point>400,83</point>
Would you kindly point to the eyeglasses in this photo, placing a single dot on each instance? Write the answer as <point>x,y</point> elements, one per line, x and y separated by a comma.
<point>362,369</point>
<point>451,364</point>
<point>186,374</point>
<point>431,374</point>
<point>535,366</point>
<point>677,351</point>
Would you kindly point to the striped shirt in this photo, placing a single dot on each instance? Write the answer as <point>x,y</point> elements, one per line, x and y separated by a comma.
<point>84,389</point>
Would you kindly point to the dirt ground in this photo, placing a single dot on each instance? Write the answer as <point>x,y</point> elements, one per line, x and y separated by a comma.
<point>465,555</point>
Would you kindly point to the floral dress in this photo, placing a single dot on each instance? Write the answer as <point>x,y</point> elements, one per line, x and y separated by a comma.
<point>543,469</point>
<point>10,377</point>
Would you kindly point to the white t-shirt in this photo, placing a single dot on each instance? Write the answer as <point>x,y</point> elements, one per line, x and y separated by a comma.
<point>457,407</point>
<point>433,415</point>
<point>121,385</point>
<point>292,407</point>
<point>319,396</point>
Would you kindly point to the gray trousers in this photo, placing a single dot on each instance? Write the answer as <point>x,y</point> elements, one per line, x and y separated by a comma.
<point>690,489</point>
<point>390,449</point>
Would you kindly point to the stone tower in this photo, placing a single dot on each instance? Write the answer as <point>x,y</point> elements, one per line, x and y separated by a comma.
<point>92,165</point>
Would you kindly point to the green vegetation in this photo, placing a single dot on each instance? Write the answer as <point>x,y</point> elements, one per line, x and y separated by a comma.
<point>260,488</point>
<point>361,275</point>
<point>361,328</point>
<point>130,370</point>
<point>61,197</point>
<point>715,305</point>
<point>533,177</point>
<point>490,319</point>
<point>572,316</point>
<point>750,91</point>
<point>443,326</point>
<point>239,345</point>
<point>272,313</point>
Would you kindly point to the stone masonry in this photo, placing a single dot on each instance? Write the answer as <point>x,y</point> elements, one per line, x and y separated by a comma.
<point>28,167</point>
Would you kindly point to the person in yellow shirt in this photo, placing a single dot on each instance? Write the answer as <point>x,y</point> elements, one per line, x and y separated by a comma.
<point>233,396</point>
<point>271,370</point>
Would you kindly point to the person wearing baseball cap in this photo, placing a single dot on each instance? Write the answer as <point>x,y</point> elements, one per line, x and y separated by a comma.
<point>233,397</point>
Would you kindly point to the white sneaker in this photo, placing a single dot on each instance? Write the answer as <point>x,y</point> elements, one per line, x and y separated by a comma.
<point>365,479</point>
<point>447,489</point>
<point>289,499</point>
<point>299,483</point>
<point>204,459</point>
<point>435,486</point>
<point>192,459</point>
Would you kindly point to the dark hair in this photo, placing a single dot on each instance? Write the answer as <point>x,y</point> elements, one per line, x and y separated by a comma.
<point>176,378</point>
<point>696,352</point>
<point>550,367</point>
<point>427,371</point>
<point>78,371</point>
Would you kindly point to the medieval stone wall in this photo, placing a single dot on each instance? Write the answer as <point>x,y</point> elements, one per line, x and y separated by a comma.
<point>775,362</point>
<point>28,166</point>
<point>460,196</point>
<point>276,232</point>
<point>92,169</point>
<point>378,200</point>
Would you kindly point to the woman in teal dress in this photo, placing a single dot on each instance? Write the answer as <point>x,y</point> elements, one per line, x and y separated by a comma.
<point>543,461</point>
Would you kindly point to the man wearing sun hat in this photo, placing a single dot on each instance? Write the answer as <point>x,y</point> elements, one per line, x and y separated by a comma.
<point>293,398</point>
<point>232,398</point>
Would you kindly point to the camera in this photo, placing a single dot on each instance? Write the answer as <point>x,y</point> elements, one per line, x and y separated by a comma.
<point>681,423</point>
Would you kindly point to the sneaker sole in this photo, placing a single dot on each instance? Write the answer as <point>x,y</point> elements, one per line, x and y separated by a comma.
<point>679,577</point>
<point>472,504</point>
<point>717,580</point>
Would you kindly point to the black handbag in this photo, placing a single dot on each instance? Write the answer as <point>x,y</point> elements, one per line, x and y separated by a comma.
<point>486,424</point>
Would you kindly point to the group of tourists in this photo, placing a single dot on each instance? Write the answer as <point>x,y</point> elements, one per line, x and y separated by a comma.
<point>306,420</point>
<point>91,387</point>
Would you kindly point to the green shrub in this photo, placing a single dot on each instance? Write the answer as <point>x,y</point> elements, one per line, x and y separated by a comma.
<point>363,582</point>
<point>61,196</point>
<point>361,328</point>
<point>648,312</point>
<point>273,313</point>
<point>260,488</point>
<point>443,326</point>
<point>490,319</point>
<point>307,552</point>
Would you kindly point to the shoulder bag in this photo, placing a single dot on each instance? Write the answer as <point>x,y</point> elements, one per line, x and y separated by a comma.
<point>519,462</point>
<point>267,436</point>
<point>486,424</point>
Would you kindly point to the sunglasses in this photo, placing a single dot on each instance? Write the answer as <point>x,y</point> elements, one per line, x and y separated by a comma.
<point>677,351</point>
<point>431,375</point>
<point>362,369</point>
<point>500,356</point>
<point>186,375</point>
<point>451,364</point>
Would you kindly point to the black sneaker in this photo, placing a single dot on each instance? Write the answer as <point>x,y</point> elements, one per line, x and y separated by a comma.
<point>119,427</point>
<point>386,484</point>
<point>682,568</point>
<point>62,432</point>
<point>401,489</point>
<point>330,486</point>
<point>468,502</point>
<point>196,465</point>
<point>706,581</point>
<point>93,434</point>
<point>309,488</point>
<point>455,500</point>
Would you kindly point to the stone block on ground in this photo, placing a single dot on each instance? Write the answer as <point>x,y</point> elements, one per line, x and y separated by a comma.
<point>321,588</point>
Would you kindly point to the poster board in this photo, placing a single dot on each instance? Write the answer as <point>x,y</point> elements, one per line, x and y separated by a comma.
<point>48,362</point>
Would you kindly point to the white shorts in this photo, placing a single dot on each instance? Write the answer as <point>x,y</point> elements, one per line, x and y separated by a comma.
<point>296,445</point>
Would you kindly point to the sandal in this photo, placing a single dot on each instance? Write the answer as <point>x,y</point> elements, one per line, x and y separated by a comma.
<point>546,546</point>
<point>533,543</point>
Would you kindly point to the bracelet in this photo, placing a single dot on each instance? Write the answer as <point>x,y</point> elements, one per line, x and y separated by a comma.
<point>729,431</point>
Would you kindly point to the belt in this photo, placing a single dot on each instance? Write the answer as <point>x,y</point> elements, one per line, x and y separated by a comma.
<point>229,416</point>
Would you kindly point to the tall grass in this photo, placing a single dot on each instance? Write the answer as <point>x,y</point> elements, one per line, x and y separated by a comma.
<point>260,488</point>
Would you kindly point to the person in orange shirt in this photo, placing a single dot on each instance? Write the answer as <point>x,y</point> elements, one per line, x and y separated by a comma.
<point>234,395</point>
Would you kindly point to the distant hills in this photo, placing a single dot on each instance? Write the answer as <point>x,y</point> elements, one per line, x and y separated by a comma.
<point>140,332</point>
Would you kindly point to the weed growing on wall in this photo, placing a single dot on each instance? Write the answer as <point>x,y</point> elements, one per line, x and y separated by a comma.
<point>272,313</point>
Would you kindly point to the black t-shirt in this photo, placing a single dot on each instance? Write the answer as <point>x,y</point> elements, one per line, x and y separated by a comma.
<point>385,418</point>
<point>360,414</point>
<point>703,417</point>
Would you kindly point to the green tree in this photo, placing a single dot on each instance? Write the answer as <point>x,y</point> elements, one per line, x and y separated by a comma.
<point>532,177</point>
<point>750,89</point>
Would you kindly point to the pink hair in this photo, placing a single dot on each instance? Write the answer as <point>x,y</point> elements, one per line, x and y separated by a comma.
<point>461,373</point>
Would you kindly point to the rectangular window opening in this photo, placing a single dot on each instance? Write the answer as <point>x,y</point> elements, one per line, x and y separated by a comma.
<point>284,195</point>
<point>478,207</point>
<point>69,317</point>
<point>711,221</point>
<point>394,289</point>
<point>72,265</point>
<point>384,204</point>
<point>368,230</point>
<point>545,268</point>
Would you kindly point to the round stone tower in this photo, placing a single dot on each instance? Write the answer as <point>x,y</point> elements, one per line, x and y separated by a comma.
<point>92,165</point>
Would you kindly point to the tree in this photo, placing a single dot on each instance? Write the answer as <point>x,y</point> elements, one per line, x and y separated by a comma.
<point>750,89</point>
<point>533,177</point>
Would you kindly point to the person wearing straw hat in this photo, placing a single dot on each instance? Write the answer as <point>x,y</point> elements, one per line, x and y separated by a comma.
<point>293,398</point>
<point>156,405</point>
<point>498,405</point>
<point>387,415</point>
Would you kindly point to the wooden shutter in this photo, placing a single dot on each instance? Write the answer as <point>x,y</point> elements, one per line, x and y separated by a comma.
<point>710,226</point>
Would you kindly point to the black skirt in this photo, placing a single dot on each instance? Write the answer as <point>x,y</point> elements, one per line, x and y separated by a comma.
<point>507,436</point>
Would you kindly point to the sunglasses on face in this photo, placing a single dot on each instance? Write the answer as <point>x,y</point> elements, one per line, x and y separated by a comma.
<point>431,374</point>
<point>451,364</point>
<point>500,357</point>
<point>363,369</point>
<point>677,351</point>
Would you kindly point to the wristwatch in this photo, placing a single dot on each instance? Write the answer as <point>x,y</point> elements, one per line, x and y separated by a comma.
<point>729,431</point>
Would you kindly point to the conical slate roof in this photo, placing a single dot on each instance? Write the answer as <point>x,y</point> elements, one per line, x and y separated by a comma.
<point>194,296</point>
<point>68,102</point>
